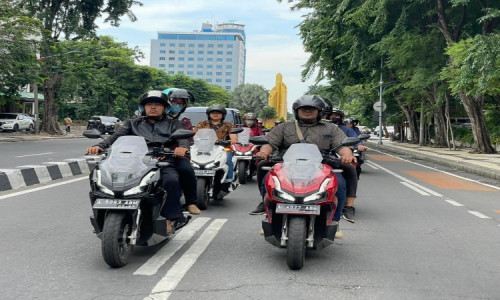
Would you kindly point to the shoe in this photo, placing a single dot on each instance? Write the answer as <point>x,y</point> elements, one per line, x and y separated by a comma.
<point>261,232</point>
<point>339,234</point>
<point>259,210</point>
<point>193,209</point>
<point>225,187</point>
<point>170,228</point>
<point>348,213</point>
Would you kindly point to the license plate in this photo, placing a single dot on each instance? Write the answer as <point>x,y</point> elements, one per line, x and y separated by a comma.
<point>116,203</point>
<point>244,157</point>
<point>299,209</point>
<point>199,172</point>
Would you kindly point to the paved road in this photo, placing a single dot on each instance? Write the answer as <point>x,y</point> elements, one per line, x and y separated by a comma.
<point>420,234</point>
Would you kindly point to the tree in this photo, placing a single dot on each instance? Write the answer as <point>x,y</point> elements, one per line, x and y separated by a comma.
<point>268,113</point>
<point>73,20</point>
<point>17,51</point>
<point>250,98</point>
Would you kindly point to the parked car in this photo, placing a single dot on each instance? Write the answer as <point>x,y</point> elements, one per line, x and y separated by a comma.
<point>16,122</point>
<point>390,130</point>
<point>198,114</point>
<point>104,124</point>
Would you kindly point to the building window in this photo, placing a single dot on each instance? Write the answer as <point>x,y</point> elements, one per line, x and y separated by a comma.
<point>208,80</point>
<point>220,52</point>
<point>172,44</point>
<point>218,67</point>
<point>228,80</point>
<point>163,44</point>
<point>199,73</point>
<point>171,58</point>
<point>181,58</point>
<point>182,45</point>
<point>171,65</point>
<point>228,73</point>
<point>210,66</point>
<point>180,72</point>
<point>199,66</point>
<point>162,51</point>
<point>230,45</point>
<point>162,58</point>
<point>210,45</point>
<point>220,46</point>
<point>171,72</point>
<point>218,80</point>
<point>200,58</point>
<point>209,73</point>
<point>200,52</point>
<point>210,59</point>
<point>201,45</point>
<point>191,52</point>
<point>228,87</point>
<point>218,73</point>
<point>190,66</point>
<point>219,58</point>
<point>190,58</point>
<point>229,59</point>
<point>182,51</point>
<point>210,52</point>
<point>229,67</point>
<point>229,52</point>
<point>191,45</point>
<point>181,65</point>
<point>190,73</point>
<point>171,51</point>
<point>162,65</point>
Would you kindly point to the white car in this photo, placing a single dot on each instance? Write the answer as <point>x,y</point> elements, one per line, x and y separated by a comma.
<point>16,122</point>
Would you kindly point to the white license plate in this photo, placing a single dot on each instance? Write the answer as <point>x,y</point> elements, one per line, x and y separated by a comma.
<point>299,209</point>
<point>199,172</point>
<point>103,203</point>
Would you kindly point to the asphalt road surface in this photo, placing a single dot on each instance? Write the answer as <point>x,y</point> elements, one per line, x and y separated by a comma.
<point>419,234</point>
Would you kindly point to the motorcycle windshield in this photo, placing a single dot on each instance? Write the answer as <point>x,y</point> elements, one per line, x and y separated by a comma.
<point>244,136</point>
<point>204,140</point>
<point>302,164</point>
<point>125,161</point>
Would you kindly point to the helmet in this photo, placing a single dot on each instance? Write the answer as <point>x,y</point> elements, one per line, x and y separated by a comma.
<point>180,93</point>
<point>216,107</point>
<point>250,116</point>
<point>152,97</point>
<point>338,111</point>
<point>355,121</point>
<point>348,121</point>
<point>308,100</point>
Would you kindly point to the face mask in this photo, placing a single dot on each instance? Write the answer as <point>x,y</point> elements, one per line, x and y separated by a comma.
<point>249,123</point>
<point>174,109</point>
<point>336,120</point>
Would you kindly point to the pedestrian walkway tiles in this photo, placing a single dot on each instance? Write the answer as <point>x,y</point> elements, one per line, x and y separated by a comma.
<point>448,182</point>
<point>381,157</point>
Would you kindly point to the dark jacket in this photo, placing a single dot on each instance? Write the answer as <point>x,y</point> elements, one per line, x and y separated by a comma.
<point>152,133</point>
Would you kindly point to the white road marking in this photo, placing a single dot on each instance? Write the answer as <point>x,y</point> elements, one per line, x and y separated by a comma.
<point>169,282</point>
<point>415,189</point>
<point>43,187</point>
<point>454,202</point>
<point>409,181</point>
<point>165,253</point>
<point>369,163</point>
<point>37,154</point>
<point>478,214</point>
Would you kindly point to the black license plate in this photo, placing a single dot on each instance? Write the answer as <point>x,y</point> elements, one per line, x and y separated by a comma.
<point>299,209</point>
<point>199,172</point>
<point>103,203</point>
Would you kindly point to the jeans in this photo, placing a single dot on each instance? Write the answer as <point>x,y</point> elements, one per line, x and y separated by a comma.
<point>172,209</point>
<point>187,179</point>
<point>230,165</point>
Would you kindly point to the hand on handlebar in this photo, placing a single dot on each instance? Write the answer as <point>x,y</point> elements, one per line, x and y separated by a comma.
<point>180,152</point>
<point>347,159</point>
<point>94,150</point>
<point>362,148</point>
<point>262,155</point>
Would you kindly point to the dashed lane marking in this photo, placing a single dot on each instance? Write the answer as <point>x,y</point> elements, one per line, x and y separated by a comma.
<point>415,189</point>
<point>169,282</point>
<point>455,203</point>
<point>382,157</point>
<point>478,214</point>
<point>165,253</point>
<point>448,182</point>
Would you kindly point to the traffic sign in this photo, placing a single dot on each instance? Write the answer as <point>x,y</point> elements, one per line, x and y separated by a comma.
<point>376,106</point>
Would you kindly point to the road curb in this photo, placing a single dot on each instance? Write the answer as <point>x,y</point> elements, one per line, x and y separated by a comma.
<point>459,165</point>
<point>29,175</point>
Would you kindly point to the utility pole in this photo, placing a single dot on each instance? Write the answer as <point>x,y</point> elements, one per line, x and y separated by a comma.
<point>35,109</point>
<point>381,105</point>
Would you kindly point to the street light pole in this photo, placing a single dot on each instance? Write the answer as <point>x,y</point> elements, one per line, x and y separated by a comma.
<point>381,105</point>
<point>35,109</point>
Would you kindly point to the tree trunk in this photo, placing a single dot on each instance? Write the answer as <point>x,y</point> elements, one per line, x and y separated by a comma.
<point>474,108</point>
<point>49,122</point>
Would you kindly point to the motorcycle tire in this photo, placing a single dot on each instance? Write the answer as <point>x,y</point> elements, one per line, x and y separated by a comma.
<point>296,248</point>
<point>115,245</point>
<point>242,172</point>
<point>202,192</point>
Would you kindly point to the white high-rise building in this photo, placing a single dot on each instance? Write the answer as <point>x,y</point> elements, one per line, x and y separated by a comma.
<point>216,55</point>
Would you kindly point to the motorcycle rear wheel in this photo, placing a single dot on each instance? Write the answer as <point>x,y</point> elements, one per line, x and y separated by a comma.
<point>115,245</point>
<point>202,193</point>
<point>242,172</point>
<point>296,248</point>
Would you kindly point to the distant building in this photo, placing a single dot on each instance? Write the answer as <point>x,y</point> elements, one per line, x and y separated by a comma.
<point>215,54</point>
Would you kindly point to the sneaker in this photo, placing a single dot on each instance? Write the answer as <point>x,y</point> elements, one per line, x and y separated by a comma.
<point>225,187</point>
<point>193,209</point>
<point>348,213</point>
<point>261,232</point>
<point>259,210</point>
<point>339,234</point>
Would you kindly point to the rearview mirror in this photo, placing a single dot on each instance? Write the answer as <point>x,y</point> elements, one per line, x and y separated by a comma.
<point>363,136</point>
<point>259,140</point>
<point>236,130</point>
<point>350,141</point>
<point>182,134</point>
<point>92,134</point>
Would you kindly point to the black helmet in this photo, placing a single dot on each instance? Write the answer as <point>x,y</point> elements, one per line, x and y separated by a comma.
<point>180,93</point>
<point>308,100</point>
<point>355,121</point>
<point>216,107</point>
<point>152,97</point>
<point>338,111</point>
<point>348,121</point>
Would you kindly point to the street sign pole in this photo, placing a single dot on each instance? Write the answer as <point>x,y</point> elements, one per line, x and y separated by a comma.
<point>381,106</point>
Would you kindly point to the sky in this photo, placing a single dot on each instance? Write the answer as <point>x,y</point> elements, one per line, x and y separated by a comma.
<point>273,44</point>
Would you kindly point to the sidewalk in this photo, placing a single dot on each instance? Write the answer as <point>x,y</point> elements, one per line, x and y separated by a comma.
<point>487,165</point>
<point>76,132</point>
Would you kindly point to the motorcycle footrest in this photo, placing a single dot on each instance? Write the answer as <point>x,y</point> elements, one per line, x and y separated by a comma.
<point>329,238</point>
<point>268,233</point>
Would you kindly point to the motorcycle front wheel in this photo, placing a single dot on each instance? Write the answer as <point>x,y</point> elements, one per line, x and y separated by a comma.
<point>242,172</point>
<point>296,248</point>
<point>115,244</point>
<point>202,193</point>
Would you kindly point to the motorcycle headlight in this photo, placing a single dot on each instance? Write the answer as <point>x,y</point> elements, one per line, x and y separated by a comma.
<point>248,153</point>
<point>140,188</point>
<point>195,165</point>
<point>320,194</point>
<point>279,193</point>
<point>101,187</point>
<point>212,165</point>
<point>239,153</point>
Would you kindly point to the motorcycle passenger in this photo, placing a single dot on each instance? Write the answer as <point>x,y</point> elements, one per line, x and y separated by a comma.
<point>351,178</point>
<point>216,114</point>
<point>179,100</point>
<point>350,123</point>
<point>250,120</point>
<point>326,136</point>
<point>353,123</point>
<point>155,127</point>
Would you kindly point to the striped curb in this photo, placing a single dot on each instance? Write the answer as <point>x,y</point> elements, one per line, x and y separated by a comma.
<point>29,175</point>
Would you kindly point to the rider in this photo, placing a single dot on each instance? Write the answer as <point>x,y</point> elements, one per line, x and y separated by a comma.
<point>251,122</point>
<point>179,100</point>
<point>216,114</point>
<point>348,211</point>
<point>155,127</point>
<point>307,110</point>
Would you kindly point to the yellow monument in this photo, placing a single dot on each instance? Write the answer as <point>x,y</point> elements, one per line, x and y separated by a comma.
<point>277,97</point>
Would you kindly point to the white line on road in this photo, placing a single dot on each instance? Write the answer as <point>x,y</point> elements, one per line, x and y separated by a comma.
<point>43,187</point>
<point>454,202</point>
<point>169,282</point>
<point>478,214</point>
<point>165,253</point>
<point>368,163</point>
<point>415,189</point>
<point>37,154</point>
